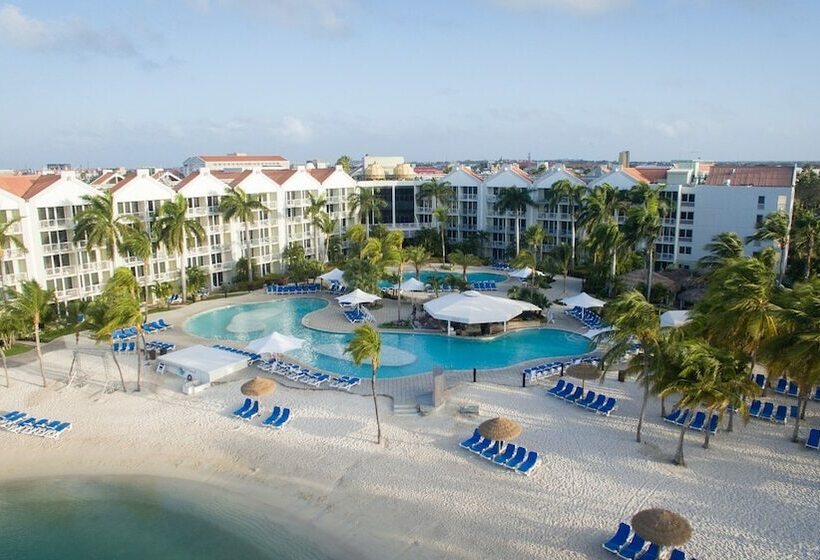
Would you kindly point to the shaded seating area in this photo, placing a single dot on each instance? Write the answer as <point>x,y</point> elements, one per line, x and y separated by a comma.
<point>588,318</point>
<point>578,307</point>
<point>20,422</point>
<point>488,442</point>
<point>696,422</point>
<point>649,534</point>
<point>548,369</point>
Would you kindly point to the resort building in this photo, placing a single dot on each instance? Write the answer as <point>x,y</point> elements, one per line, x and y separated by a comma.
<point>234,162</point>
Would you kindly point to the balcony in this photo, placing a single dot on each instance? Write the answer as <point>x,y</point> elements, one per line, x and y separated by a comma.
<point>213,229</point>
<point>62,271</point>
<point>15,278</point>
<point>687,222</point>
<point>57,223</point>
<point>13,253</point>
<point>14,229</point>
<point>468,197</point>
<point>65,295</point>
<point>198,211</point>
<point>196,251</point>
<point>91,291</point>
<point>260,242</point>
<point>97,266</point>
<point>665,257</point>
<point>52,248</point>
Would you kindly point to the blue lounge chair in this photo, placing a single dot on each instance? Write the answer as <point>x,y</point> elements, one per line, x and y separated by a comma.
<point>252,412</point>
<point>813,441</point>
<point>519,456</point>
<point>672,416</point>
<point>588,398</point>
<point>816,395</point>
<point>766,413</point>
<point>713,424</point>
<point>619,538</point>
<point>794,411</point>
<point>635,546</point>
<point>529,463</point>
<point>760,379</point>
<point>780,414</point>
<point>492,451</point>
<point>677,554</point>
<point>283,419</point>
<point>246,406</point>
<point>506,455</point>
<point>698,421</point>
<point>597,403</point>
<point>565,391</point>
<point>163,324</point>
<point>481,445</point>
<point>115,347</point>
<point>794,390</point>
<point>63,427</point>
<point>652,553</point>
<point>681,420</point>
<point>754,409</point>
<point>610,405</point>
<point>467,443</point>
<point>575,395</point>
<point>274,414</point>
<point>781,386</point>
<point>558,387</point>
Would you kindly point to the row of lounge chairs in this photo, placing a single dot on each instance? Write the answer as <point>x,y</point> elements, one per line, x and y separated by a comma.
<point>336,288</point>
<point>588,318</point>
<point>295,372</point>
<point>358,315</point>
<point>696,423</point>
<point>485,286</point>
<point>785,387</point>
<point>20,423</point>
<point>122,347</point>
<point>278,417</point>
<point>514,457</point>
<point>160,346</point>
<point>500,265</point>
<point>553,368</point>
<point>291,289</point>
<point>766,411</point>
<point>428,288</point>
<point>252,356</point>
<point>156,326</point>
<point>130,333</point>
<point>575,394</point>
<point>813,441</point>
<point>174,298</point>
<point>629,545</point>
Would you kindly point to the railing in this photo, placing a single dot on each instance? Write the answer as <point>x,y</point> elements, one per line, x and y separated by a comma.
<point>62,223</point>
<point>62,271</point>
<point>665,256</point>
<point>468,197</point>
<point>67,294</point>
<point>687,222</point>
<point>198,211</point>
<point>56,247</point>
<point>96,266</point>
<point>15,228</point>
<point>213,229</point>
<point>91,290</point>
<point>13,253</point>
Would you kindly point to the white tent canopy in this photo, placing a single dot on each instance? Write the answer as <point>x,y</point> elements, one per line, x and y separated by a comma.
<point>675,318</point>
<point>525,272</point>
<point>472,308</point>
<point>275,343</point>
<point>334,275</point>
<point>583,300</point>
<point>411,285</point>
<point>357,297</point>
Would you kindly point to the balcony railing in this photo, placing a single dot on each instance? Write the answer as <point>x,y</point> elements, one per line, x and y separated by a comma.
<point>51,248</point>
<point>65,295</point>
<point>62,271</point>
<point>14,229</point>
<point>97,266</point>
<point>91,290</point>
<point>60,223</point>
<point>198,211</point>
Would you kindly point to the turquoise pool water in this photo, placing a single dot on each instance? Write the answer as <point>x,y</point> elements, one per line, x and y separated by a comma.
<point>139,519</point>
<point>425,276</point>
<point>402,353</point>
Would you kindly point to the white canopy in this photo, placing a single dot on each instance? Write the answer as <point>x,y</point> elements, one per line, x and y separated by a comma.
<point>674,318</point>
<point>357,297</point>
<point>583,300</point>
<point>274,343</point>
<point>412,285</point>
<point>472,308</point>
<point>334,275</point>
<point>525,272</point>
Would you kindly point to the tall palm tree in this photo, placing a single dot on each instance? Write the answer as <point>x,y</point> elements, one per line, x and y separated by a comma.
<point>32,303</point>
<point>173,230</point>
<point>344,161</point>
<point>357,235</point>
<point>795,350</point>
<point>387,251</point>
<point>515,200</point>
<point>439,193</point>
<point>464,260</point>
<point>722,248</point>
<point>418,256</point>
<point>634,318</point>
<point>240,205</point>
<point>562,257</point>
<point>138,242</point>
<point>11,326</point>
<point>328,227</point>
<point>441,214</point>
<point>526,259</point>
<point>366,203</point>
<point>573,194</point>
<point>121,310</point>
<point>366,345</point>
<point>775,227</point>
<point>644,223</point>
<point>805,235</point>
<point>535,236</point>
<point>317,207</point>
<point>98,224</point>
<point>8,240</point>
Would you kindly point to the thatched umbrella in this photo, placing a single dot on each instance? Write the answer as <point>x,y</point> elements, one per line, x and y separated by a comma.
<point>583,372</point>
<point>258,386</point>
<point>500,429</point>
<point>662,527</point>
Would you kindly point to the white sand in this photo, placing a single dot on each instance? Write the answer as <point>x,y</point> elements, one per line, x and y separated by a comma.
<point>753,495</point>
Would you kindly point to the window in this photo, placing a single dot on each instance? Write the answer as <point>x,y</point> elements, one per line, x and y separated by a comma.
<point>759,220</point>
<point>687,199</point>
<point>216,258</point>
<point>687,217</point>
<point>684,250</point>
<point>761,200</point>
<point>685,235</point>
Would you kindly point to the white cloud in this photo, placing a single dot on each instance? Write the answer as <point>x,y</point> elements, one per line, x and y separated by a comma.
<point>670,129</point>
<point>68,35</point>
<point>582,7</point>
<point>327,15</point>
<point>293,129</point>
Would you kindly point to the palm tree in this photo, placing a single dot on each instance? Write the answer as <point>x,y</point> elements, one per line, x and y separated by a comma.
<point>515,200</point>
<point>12,241</point>
<point>139,243</point>
<point>573,194</point>
<point>418,256</point>
<point>775,227</point>
<point>464,260</point>
<point>644,223</point>
<point>795,350</point>
<point>435,283</point>
<point>387,251</point>
<point>32,303</point>
<point>562,255</point>
<point>526,259</point>
<point>240,205</point>
<point>357,235</point>
<point>98,224</point>
<point>122,309</point>
<point>440,191</point>
<point>535,236</point>
<point>344,161</point>
<point>633,317</point>
<point>173,230</point>
<point>604,242</point>
<point>366,345</point>
<point>723,247</point>
<point>11,326</point>
<point>366,203</point>
<point>196,278</point>
<point>441,214</point>
<point>162,291</point>
<point>328,226</point>
<point>805,235</point>
<point>317,207</point>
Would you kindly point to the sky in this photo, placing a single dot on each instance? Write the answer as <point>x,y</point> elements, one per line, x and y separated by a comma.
<point>150,82</point>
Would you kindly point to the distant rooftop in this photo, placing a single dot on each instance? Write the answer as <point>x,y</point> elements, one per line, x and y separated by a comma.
<point>752,175</point>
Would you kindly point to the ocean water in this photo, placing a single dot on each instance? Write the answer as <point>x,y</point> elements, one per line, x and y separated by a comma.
<point>146,518</point>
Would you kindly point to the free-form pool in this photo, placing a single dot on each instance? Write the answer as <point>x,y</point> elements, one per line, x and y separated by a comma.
<point>402,353</point>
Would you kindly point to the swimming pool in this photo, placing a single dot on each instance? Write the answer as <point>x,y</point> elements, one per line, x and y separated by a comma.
<point>425,275</point>
<point>402,353</point>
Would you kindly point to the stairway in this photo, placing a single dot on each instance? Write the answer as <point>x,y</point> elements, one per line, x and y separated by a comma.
<point>405,409</point>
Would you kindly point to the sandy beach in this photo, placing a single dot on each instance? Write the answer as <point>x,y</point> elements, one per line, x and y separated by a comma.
<point>752,495</point>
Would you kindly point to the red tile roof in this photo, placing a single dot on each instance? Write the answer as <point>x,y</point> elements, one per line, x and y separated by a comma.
<point>752,175</point>
<point>635,174</point>
<point>187,179</point>
<point>280,176</point>
<point>17,184</point>
<point>40,184</point>
<point>521,173</point>
<point>322,175</point>
<point>104,178</point>
<point>428,170</point>
<point>240,159</point>
<point>653,174</point>
<point>472,173</point>
<point>228,177</point>
<point>127,179</point>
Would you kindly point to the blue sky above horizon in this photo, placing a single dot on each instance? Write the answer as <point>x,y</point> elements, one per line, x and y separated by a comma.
<point>150,82</point>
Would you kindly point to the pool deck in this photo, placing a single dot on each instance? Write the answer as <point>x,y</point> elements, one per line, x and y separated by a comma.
<point>404,391</point>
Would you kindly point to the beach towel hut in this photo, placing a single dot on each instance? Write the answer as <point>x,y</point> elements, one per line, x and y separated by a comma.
<point>500,429</point>
<point>662,527</point>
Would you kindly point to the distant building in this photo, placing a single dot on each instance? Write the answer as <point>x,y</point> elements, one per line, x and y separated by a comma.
<point>623,158</point>
<point>234,162</point>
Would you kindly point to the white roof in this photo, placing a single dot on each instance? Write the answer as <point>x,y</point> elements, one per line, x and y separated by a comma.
<point>412,285</point>
<point>525,272</point>
<point>334,275</point>
<point>275,343</point>
<point>583,300</point>
<point>674,318</point>
<point>472,307</point>
<point>356,297</point>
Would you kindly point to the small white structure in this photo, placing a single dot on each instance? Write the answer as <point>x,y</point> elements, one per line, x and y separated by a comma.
<point>412,285</point>
<point>357,297</point>
<point>583,300</point>
<point>275,343</point>
<point>473,308</point>
<point>201,364</point>
<point>334,275</point>
<point>525,272</point>
<point>675,319</point>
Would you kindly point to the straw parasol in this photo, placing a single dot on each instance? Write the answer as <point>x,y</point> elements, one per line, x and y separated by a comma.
<point>258,386</point>
<point>583,372</point>
<point>500,429</point>
<point>662,527</point>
